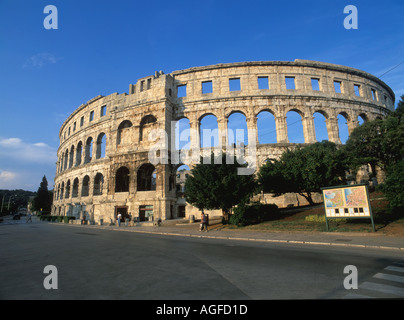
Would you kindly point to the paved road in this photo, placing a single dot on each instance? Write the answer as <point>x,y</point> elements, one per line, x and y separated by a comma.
<point>102,263</point>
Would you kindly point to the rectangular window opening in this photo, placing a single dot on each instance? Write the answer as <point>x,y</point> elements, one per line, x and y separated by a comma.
<point>374,94</point>
<point>81,121</point>
<point>234,84</point>
<point>290,83</point>
<point>207,87</point>
<point>148,84</point>
<point>182,91</point>
<point>74,126</point>
<point>263,83</point>
<point>103,111</point>
<point>357,88</point>
<point>315,84</point>
<point>91,115</point>
<point>337,87</point>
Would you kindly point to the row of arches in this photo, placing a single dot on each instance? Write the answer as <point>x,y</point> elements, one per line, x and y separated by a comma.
<point>73,188</point>
<point>266,128</point>
<point>76,155</point>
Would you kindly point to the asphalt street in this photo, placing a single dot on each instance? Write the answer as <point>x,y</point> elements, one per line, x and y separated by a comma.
<point>168,263</point>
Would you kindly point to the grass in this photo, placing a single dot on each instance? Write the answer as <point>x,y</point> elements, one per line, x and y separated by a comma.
<point>313,219</point>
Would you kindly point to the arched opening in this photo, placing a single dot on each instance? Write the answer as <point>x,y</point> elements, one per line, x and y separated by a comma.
<point>266,127</point>
<point>343,131</point>
<point>62,190</point>
<point>66,159</point>
<point>75,190</point>
<point>362,118</point>
<point>58,192</point>
<point>208,131</point>
<point>237,132</point>
<point>182,134</point>
<point>98,184</point>
<point>182,174</point>
<point>101,145</point>
<point>123,132</point>
<point>89,150</point>
<point>122,180</point>
<point>85,188</point>
<point>146,126</point>
<point>320,126</point>
<point>79,153</point>
<point>67,194</point>
<point>295,127</point>
<point>71,157</point>
<point>146,178</point>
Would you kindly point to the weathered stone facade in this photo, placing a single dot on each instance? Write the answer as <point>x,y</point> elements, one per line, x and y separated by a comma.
<point>103,160</point>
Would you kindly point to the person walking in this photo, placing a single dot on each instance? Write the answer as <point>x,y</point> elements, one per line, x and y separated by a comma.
<point>119,219</point>
<point>204,222</point>
<point>29,217</point>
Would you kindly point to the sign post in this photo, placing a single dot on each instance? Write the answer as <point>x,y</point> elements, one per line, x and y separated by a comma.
<point>347,202</point>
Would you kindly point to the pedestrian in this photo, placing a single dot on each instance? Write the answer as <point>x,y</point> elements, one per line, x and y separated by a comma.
<point>119,219</point>
<point>29,217</point>
<point>204,222</point>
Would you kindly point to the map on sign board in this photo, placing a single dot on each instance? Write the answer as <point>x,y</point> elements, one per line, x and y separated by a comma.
<point>348,201</point>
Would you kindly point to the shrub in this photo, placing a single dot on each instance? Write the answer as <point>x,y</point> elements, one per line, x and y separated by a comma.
<point>246,214</point>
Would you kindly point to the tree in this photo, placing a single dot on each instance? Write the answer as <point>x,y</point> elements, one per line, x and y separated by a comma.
<point>304,170</point>
<point>379,143</point>
<point>393,185</point>
<point>218,186</point>
<point>43,199</point>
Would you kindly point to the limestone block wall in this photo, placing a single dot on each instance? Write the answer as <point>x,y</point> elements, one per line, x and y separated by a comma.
<point>104,163</point>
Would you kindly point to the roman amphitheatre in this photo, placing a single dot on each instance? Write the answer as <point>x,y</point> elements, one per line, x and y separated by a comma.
<point>104,164</point>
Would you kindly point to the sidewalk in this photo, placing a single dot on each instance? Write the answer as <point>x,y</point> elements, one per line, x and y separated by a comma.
<point>343,239</point>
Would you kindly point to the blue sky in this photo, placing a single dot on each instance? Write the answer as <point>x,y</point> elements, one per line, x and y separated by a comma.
<point>100,47</point>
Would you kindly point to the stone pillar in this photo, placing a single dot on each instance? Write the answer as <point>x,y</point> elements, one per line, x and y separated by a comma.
<point>281,129</point>
<point>352,124</point>
<point>308,129</point>
<point>252,130</point>
<point>332,130</point>
<point>223,132</point>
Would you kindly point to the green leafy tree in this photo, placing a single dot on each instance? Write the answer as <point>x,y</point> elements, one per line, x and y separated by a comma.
<point>218,186</point>
<point>393,185</point>
<point>304,170</point>
<point>43,199</point>
<point>379,143</point>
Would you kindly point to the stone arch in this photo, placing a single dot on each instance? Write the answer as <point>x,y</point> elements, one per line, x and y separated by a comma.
<point>208,130</point>
<point>343,130</point>
<point>75,189</point>
<point>266,126</point>
<point>294,121</point>
<point>71,156</point>
<point>98,184</point>
<point>62,190</point>
<point>85,186</point>
<point>320,119</point>
<point>101,145</point>
<point>66,159</point>
<point>79,153</point>
<point>122,179</point>
<point>123,132</point>
<point>182,133</point>
<point>146,125</point>
<point>67,194</point>
<point>237,131</point>
<point>89,150</point>
<point>146,177</point>
<point>362,118</point>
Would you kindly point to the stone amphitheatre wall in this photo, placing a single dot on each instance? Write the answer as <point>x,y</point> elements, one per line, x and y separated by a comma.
<point>104,164</point>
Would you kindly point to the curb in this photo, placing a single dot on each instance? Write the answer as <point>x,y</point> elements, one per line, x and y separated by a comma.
<point>400,249</point>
